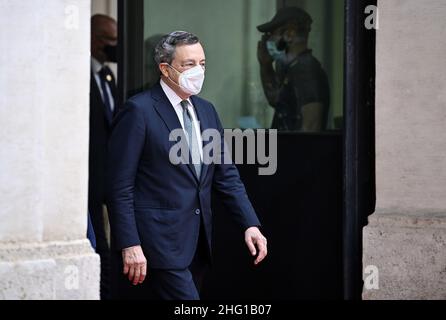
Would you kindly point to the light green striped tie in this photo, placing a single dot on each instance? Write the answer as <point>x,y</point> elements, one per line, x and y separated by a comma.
<point>192,136</point>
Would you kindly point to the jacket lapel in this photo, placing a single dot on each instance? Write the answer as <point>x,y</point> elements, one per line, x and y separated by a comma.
<point>167,113</point>
<point>165,109</point>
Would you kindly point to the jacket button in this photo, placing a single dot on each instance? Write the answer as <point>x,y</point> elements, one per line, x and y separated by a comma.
<point>197,212</point>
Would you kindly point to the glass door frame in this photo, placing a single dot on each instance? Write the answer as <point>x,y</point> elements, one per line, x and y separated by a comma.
<point>359,140</point>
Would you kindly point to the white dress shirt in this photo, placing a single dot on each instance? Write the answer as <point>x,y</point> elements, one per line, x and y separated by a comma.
<point>175,101</point>
<point>96,67</point>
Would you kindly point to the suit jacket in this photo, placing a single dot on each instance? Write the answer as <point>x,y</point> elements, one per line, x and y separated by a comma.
<point>156,204</point>
<point>100,127</point>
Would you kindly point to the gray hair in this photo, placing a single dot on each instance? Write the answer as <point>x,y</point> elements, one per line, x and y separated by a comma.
<point>165,49</point>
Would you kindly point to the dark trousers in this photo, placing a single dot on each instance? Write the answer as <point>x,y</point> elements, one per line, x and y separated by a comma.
<point>162,284</point>
<point>102,248</point>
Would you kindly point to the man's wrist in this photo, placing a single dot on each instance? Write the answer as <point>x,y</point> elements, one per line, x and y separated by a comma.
<point>257,227</point>
<point>129,245</point>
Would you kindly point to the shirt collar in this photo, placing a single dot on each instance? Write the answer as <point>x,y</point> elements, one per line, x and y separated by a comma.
<point>171,95</point>
<point>96,66</point>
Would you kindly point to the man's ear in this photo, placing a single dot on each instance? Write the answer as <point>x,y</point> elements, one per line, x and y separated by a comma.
<point>163,68</point>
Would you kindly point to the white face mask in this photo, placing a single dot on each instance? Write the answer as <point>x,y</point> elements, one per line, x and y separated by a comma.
<point>276,54</point>
<point>191,81</point>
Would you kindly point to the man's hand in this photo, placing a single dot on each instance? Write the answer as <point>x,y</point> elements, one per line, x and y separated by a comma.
<point>135,264</point>
<point>262,52</point>
<point>254,238</point>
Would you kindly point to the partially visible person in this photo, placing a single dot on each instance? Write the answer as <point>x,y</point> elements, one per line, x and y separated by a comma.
<point>103,108</point>
<point>293,80</point>
<point>90,233</point>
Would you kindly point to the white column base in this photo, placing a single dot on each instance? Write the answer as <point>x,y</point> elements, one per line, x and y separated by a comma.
<point>409,252</point>
<point>50,270</point>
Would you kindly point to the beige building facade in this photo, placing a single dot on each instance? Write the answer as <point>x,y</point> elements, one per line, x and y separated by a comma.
<point>406,237</point>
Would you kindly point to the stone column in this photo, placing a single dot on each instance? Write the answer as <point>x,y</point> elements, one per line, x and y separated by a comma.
<point>406,238</point>
<point>44,132</point>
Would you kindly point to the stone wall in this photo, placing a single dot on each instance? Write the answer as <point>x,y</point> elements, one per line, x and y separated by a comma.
<point>405,239</point>
<point>44,132</point>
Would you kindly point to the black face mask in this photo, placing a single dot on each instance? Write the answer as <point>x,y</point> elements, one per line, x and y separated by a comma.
<point>112,53</point>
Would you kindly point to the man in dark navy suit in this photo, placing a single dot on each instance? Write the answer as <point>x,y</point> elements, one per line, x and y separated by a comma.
<point>160,212</point>
<point>103,107</point>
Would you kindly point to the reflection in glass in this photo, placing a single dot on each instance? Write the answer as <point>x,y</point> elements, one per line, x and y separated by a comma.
<point>228,31</point>
<point>294,82</point>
